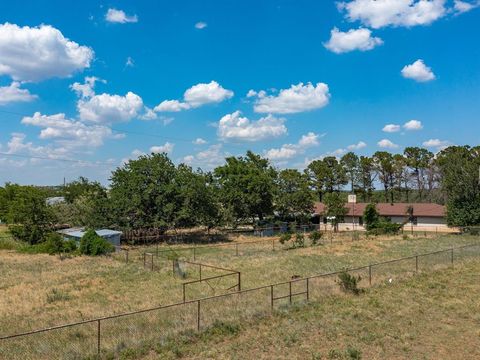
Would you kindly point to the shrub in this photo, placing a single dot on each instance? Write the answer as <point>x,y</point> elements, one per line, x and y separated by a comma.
<point>56,245</point>
<point>57,295</point>
<point>349,283</point>
<point>385,227</point>
<point>92,244</point>
<point>299,240</point>
<point>315,236</point>
<point>286,237</point>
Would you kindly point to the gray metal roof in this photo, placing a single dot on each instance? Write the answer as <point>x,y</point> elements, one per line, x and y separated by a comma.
<point>79,232</point>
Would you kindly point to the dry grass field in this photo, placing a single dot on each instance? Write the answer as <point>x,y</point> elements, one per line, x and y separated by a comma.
<point>41,290</point>
<point>432,316</point>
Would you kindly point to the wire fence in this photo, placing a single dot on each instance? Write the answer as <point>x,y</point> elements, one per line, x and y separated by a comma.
<point>108,336</point>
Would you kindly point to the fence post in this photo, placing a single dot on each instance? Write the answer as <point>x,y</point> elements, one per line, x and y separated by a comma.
<point>451,256</point>
<point>200,265</point>
<point>370,274</point>
<point>183,288</point>
<point>194,253</point>
<point>416,263</point>
<point>273,244</point>
<point>198,315</point>
<point>236,249</point>
<point>239,281</point>
<point>271,296</point>
<point>308,292</point>
<point>126,256</point>
<point>98,337</point>
<point>173,267</point>
<point>144,259</point>
<point>157,249</point>
<point>290,291</point>
<point>152,262</point>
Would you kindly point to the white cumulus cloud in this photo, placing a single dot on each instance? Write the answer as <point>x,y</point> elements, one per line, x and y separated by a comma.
<point>413,125</point>
<point>106,108</point>
<point>13,93</point>
<point>298,98</point>
<point>288,151</point>
<point>358,146</point>
<point>418,71</point>
<point>165,148</point>
<point>235,127</point>
<point>69,133</point>
<point>199,141</point>
<point>380,13</point>
<point>38,53</point>
<point>196,96</point>
<point>201,25</point>
<point>119,16</point>
<point>464,6</point>
<point>354,39</point>
<point>436,143</point>
<point>385,143</point>
<point>391,128</point>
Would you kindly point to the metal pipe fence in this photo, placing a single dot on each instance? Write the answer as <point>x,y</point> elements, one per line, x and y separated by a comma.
<point>112,334</point>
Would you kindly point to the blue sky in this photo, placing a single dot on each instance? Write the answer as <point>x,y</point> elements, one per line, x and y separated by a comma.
<point>98,82</point>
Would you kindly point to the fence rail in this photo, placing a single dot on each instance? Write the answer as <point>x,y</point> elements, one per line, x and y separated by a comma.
<point>111,334</point>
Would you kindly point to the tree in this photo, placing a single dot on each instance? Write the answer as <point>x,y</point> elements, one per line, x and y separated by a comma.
<point>294,198</point>
<point>401,176</point>
<point>418,160</point>
<point>459,168</point>
<point>383,162</point>
<point>370,216</point>
<point>144,193</point>
<point>246,187</point>
<point>80,187</point>
<point>366,177</point>
<point>30,218</point>
<point>351,165</point>
<point>197,199</point>
<point>326,175</point>
<point>335,207</point>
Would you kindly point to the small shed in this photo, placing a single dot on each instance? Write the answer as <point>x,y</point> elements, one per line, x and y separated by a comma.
<point>112,236</point>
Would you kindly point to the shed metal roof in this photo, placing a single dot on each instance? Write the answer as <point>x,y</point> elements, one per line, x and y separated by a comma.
<point>79,232</point>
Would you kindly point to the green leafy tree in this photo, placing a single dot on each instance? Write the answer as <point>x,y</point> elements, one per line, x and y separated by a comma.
<point>370,216</point>
<point>197,199</point>
<point>366,177</point>
<point>418,160</point>
<point>81,187</point>
<point>144,193</point>
<point>335,207</point>
<point>326,175</point>
<point>29,216</point>
<point>246,187</point>
<point>351,165</point>
<point>294,198</point>
<point>383,162</point>
<point>459,168</point>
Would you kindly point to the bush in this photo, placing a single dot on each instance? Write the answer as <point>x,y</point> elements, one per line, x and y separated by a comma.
<point>315,236</point>
<point>286,237</point>
<point>55,244</point>
<point>384,227</point>
<point>299,240</point>
<point>349,283</point>
<point>92,244</point>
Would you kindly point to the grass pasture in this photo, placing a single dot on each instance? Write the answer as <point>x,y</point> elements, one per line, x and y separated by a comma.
<point>38,291</point>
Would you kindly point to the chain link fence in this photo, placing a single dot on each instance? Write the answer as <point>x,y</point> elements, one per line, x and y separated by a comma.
<point>108,336</point>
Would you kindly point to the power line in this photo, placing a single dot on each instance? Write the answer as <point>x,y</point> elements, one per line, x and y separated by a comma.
<point>57,159</point>
<point>118,130</point>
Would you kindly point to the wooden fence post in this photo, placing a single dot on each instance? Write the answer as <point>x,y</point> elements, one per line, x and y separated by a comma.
<point>198,315</point>
<point>370,274</point>
<point>271,296</point>
<point>98,337</point>
<point>308,292</point>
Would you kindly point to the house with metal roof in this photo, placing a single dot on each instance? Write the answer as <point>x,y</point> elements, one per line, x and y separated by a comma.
<point>112,236</point>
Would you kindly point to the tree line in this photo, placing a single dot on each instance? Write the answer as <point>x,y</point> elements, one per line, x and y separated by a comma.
<point>153,192</point>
